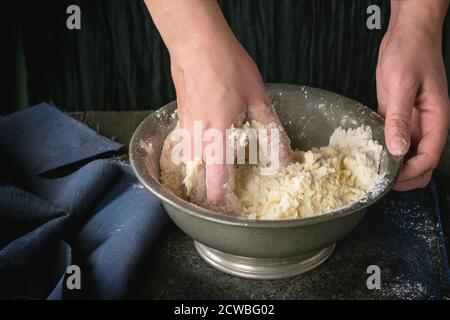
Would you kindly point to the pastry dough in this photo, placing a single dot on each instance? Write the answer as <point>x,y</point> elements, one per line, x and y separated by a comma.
<point>319,180</point>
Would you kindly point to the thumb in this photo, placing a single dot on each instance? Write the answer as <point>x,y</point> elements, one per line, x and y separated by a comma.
<point>398,118</point>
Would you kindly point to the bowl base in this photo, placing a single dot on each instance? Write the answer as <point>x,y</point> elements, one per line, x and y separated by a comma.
<point>262,268</point>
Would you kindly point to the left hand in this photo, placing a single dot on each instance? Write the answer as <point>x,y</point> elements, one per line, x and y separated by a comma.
<point>412,96</point>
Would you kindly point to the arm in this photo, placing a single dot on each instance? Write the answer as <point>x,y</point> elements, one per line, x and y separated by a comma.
<point>215,79</point>
<point>427,13</point>
<point>182,22</point>
<point>412,88</point>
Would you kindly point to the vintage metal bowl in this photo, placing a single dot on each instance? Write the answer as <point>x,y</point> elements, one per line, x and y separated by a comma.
<point>267,249</point>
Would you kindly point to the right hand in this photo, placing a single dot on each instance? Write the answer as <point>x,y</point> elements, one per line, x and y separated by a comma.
<point>217,83</point>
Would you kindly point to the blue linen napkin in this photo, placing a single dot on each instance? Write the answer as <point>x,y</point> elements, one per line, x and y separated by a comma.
<point>99,218</point>
<point>42,138</point>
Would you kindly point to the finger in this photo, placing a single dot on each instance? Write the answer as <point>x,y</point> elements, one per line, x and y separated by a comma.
<point>218,173</point>
<point>381,94</point>
<point>188,139</point>
<point>217,177</point>
<point>178,82</point>
<point>415,124</point>
<point>183,122</point>
<point>277,138</point>
<point>434,125</point>
<point>419,182</point>
<point>416,130</point>
<point>401,95</point>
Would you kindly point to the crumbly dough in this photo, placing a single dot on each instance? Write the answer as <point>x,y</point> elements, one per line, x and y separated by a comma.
<point>319,180</point>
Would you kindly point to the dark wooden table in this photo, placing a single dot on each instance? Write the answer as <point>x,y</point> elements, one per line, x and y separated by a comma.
<point>405,234</point>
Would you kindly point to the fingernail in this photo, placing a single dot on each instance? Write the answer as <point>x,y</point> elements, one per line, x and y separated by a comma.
<point>399,146</point>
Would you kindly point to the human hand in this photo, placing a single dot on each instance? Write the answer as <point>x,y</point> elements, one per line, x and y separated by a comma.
<point>218,84</point>
<point>216,81</point>
<point>412,95</point>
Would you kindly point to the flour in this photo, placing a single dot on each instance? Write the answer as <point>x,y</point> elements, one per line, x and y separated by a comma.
<point>318,181</point>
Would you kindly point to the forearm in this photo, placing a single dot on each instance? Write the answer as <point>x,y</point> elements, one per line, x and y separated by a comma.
<point>425,14</point>
<point>183,22</point>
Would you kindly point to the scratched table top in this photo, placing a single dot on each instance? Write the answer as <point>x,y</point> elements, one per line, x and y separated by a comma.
<point>404,234</point>
<point>399,234</point>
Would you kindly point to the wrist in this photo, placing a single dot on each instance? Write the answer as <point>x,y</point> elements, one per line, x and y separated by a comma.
<point>208,46</point>
<point>187,25</point>
<point>426,15</point>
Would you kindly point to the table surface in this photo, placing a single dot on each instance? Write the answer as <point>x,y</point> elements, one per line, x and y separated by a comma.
<point>405,234</point>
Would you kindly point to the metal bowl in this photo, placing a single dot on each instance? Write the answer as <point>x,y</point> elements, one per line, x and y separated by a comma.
<point>268,249</point>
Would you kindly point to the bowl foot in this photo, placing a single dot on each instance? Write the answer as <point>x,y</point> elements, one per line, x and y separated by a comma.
<point>262,268</point>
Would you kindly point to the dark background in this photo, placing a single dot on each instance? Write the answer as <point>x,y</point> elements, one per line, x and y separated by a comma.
<point>118,61</point>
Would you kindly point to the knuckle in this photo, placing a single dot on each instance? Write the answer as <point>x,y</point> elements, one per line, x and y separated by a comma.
<point>427,169</point>
<point>400,120</point>
<point>398,77</point>
<point>262,110</point>
<point>425,180</point>
<point>430,163</point>
<point>408,81</point>
<point>263,105</point>
<point>433,165</point>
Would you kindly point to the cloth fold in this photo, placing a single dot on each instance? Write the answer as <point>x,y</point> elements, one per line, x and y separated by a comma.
<point>99,218</point>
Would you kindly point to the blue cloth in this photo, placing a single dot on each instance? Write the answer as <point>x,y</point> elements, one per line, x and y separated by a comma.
<point>54,139</point>
<point>99,217</point>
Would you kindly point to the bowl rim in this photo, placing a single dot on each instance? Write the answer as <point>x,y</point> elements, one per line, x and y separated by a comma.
<point>168,198</point>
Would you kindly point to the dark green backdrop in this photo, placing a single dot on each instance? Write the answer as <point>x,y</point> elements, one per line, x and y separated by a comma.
<point>118,61</point>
